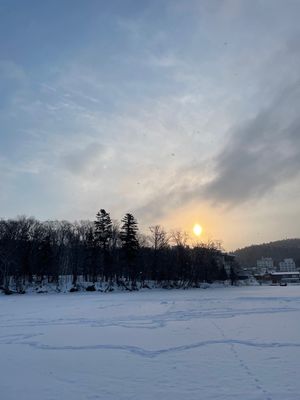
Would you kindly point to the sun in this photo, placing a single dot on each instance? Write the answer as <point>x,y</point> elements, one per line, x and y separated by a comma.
<point>197,229</point>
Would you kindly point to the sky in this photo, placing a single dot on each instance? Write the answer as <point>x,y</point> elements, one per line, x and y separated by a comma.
<point>179,112</point>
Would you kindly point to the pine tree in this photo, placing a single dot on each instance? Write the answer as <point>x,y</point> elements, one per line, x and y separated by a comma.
<point>130,244</point>
<point>103,229</point>
<point>128,235</point>
<point>103,238</point>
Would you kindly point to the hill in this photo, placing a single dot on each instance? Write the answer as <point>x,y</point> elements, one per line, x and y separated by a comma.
<point>278,250</point>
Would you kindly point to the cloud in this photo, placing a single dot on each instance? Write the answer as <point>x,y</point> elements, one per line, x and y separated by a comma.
<point>261,154</point>
<point>82,161</point>
<point>174,190</point>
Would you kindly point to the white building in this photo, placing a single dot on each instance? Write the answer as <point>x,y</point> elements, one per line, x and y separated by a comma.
<point>285,277</point>
<point>265,264</point>
<point>287,265</point>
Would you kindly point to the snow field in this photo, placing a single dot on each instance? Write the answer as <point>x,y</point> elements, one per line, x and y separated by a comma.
<point>218,343</point>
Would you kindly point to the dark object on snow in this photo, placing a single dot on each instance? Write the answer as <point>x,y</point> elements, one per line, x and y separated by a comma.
<point>73,289</point>
<point>91,288</point>
<point>7,291</point>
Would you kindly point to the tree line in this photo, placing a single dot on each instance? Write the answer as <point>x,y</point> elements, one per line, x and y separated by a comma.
<point>104,250</point>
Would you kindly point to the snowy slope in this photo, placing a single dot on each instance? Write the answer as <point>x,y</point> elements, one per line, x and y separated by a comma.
<point>230,343</point>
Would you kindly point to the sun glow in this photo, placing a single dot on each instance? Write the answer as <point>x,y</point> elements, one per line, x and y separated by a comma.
<point>197,229</point>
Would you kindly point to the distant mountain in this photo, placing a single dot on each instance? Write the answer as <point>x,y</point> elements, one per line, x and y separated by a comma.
<point>278,250</point>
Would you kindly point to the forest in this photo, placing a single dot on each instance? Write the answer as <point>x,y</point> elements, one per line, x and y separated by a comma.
<point>114,253</point>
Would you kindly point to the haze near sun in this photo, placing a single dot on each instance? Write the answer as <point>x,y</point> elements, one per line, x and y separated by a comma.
<point>197,229</point>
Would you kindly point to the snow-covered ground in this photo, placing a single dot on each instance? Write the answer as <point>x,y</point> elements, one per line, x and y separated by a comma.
<point>220,343</point>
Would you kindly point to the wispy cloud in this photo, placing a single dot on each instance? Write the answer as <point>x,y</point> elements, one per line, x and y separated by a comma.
<point>85,161</point>
<point>260,154</point>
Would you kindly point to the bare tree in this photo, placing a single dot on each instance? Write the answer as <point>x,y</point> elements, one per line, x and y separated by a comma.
<point>179,237</point>
<point>158,237</point>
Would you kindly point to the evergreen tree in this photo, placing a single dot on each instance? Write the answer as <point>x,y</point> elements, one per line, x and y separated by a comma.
<point>130,244</point>
<point>103,229</point>
<point>128,235</point>
<point>103,238</point>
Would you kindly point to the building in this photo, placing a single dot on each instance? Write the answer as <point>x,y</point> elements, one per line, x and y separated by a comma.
<point>287,265</point>
<point>285,277</point>
<point>264,265</point>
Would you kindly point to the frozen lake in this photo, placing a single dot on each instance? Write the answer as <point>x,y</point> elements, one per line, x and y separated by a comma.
<point>223,343</point>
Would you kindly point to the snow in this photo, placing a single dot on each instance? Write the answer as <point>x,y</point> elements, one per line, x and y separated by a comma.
<point>286,273</point>
<point>218,343</point>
